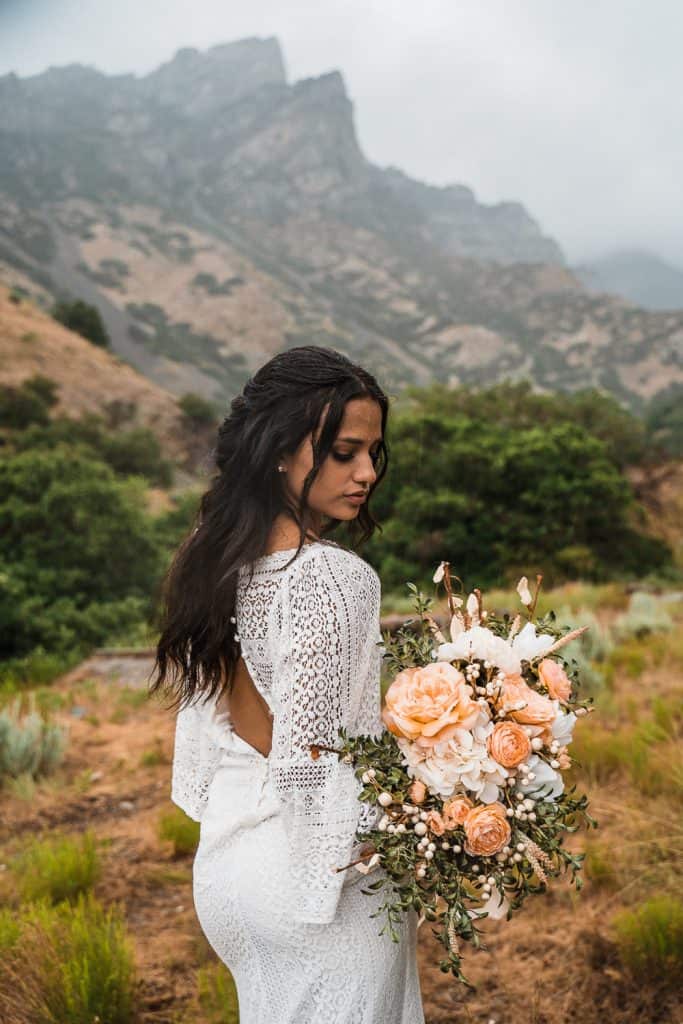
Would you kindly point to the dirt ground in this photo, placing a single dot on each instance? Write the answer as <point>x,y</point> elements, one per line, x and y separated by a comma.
<point>556,962</point>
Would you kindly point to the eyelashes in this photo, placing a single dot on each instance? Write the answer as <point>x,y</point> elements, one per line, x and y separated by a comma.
<point>347,458</point>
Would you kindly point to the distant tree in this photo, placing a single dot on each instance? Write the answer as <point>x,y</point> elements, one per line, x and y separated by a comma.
<point>199,411</point>
<point>497,499</point>
<point>664,421</point>
<point>84,319</point>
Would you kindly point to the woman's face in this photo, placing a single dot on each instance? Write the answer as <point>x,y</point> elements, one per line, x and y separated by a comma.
<point>349,468</point>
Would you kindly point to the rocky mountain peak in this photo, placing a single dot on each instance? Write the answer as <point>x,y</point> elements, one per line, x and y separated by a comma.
<point>196,82</point>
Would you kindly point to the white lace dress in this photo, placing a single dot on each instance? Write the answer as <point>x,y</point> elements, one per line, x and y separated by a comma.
<point>297,937</point>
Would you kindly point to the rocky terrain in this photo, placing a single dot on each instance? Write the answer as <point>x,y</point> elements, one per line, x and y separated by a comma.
<point>216,213</point>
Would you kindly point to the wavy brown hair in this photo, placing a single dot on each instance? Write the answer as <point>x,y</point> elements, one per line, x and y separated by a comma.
<point>279,406</point>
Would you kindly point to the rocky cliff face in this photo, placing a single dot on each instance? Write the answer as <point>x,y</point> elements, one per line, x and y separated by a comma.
<point>216,213</point>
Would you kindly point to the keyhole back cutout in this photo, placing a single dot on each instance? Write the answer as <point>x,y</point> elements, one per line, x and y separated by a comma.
<point>248,712</point>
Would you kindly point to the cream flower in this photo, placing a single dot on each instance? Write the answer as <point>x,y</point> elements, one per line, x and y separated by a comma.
<point>524,592</point>
<point>563,727</point>
<point>547,783</point>
<point>462,762</point>
<point>528,645</point>
<point>479,642</point>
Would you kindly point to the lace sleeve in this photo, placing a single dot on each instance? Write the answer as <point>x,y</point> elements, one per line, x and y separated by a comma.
<point>195,759</point>
<point>314,666</point>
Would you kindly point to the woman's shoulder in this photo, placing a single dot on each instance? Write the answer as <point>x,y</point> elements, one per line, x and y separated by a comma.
<point>322,557</point>
<point>336,554</point>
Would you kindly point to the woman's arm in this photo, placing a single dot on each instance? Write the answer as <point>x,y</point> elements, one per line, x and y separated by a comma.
<point>314,665</point>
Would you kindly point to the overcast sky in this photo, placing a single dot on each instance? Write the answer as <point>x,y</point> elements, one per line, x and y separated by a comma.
<point>574,109</point>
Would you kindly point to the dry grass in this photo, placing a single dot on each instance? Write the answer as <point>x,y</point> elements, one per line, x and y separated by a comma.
<point>564,960</point>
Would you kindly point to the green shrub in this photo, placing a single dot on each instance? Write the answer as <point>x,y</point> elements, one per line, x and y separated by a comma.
<point>29,743</point>
<point>650,940</point>
<point>175,827</point>
<point>38,668</point>
<point>645,614</point>
<point>599,865</point>
<point>199,411</point>
<point>56,869</point>
<point>152,758</point>
<point>70,965</point>
<point>217,994</point>
<point>596,643</point>
<point>84,319</point>
<point>10,930</point>
<point>19,410</point>
<point>78,558</point>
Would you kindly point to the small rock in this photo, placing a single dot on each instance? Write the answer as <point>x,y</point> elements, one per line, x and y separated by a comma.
<point>127,805</point>
<point>179,910</point>
<point>96,776</point>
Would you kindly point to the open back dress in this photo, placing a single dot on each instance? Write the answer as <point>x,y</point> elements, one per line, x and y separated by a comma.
<point>296,935</point>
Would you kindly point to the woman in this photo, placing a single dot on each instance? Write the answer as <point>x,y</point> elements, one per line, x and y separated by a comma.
<point>272,638</point>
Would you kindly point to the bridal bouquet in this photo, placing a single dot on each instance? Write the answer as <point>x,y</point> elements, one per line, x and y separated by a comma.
<point>468,773</point>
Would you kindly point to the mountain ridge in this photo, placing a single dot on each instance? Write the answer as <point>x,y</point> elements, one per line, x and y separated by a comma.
<point>215,223</point>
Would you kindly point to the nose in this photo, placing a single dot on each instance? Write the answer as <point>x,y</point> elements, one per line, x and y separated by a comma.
<point>365,474</point>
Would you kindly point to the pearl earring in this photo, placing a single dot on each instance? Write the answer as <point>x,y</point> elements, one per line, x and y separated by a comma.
<point>281,469</point>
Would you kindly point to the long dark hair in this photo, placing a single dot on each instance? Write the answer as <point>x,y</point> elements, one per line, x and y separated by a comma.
<point>282,403</point>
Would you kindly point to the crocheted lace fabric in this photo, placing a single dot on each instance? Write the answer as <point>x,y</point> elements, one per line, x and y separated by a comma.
<point>296,935</point>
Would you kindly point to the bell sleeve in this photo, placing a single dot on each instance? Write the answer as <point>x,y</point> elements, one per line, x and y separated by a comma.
<point>314,667</point>
<point>195,759</point>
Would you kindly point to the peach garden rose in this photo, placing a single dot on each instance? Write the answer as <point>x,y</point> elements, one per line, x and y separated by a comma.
<point>455,811</point>
<point>487,830</point>
<point>509,744</point>
<point>554,677</point>
<point>537,710</point>
<point>427,705</point>
<point>435,823</point>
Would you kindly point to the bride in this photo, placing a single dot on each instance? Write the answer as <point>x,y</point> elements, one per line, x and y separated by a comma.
<point>270,642</point>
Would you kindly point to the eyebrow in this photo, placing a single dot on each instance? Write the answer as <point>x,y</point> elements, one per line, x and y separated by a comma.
<point>359,440</point>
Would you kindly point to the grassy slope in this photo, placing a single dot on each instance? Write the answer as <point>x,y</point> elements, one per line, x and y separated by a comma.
<point>31,343</point>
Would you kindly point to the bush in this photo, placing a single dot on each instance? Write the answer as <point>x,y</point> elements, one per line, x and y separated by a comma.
<point>20,409</point>
<point>199,411</point>
<point>56,869</point>
<point>175,827</point>
<point>78,554</point>
<point>70,965</point>
<point>217,994</point>
<point>650,940</point>
<point>645,614</point>
<point>133,452</point>
<point>28,742</point>
<point>84,319</point>
<point>498,491</point>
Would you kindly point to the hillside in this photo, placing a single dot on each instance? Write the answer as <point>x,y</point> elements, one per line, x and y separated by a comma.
<point>216,214</point>
<point>640,277</point>
<point>87,377</point>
